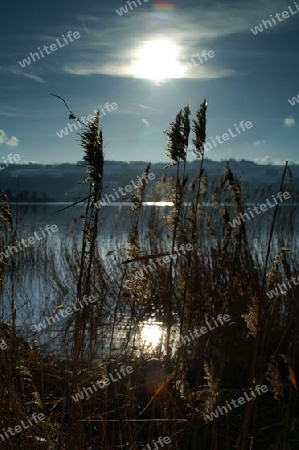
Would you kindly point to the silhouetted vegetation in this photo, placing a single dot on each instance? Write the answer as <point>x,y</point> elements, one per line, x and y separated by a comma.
<point>169,393</point>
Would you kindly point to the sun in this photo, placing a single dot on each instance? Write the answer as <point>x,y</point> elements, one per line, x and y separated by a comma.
<point>151,334</point>
<point>157,60</point>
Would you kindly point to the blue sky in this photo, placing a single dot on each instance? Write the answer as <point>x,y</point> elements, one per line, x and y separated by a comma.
<point>119,58</point>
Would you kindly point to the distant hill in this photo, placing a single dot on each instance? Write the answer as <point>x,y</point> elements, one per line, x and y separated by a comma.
<point>61,182</point>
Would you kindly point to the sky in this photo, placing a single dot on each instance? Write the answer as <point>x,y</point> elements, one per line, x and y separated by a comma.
<point>149,62</point>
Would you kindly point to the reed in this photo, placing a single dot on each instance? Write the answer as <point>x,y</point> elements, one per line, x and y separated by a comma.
<point>169,392</point>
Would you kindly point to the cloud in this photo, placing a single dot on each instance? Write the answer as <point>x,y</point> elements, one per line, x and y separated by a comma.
<point>145,122</point>
<point>13,141</point>
<point>22,73</point>
<point>87,18</point>
<point>140,105</point>
<point>191,33</point>
<point>256,143</point>
<point>281,162</point>
<point>289,121</point>
<point>270,160</point>
<point>30,162</point>
<point>122,69</point>
<point>9,111</point>
<point>2,136</point>
<point>263,160</point>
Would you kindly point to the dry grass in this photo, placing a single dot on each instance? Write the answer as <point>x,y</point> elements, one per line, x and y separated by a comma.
<point>168,394</point>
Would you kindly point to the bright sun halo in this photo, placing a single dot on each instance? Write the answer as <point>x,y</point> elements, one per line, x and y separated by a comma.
<point>157,60</point>
<point>151,334</point>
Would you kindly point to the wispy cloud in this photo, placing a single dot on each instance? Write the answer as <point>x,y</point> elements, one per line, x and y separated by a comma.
<point>122,69</point>
<point>9,111</point>
<point>20,72</point>
<point>257,143</point>
<point>190,32</point>
<point>145,107</point>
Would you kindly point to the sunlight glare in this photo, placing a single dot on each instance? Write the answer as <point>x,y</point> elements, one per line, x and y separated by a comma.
<point>157,60</point>
<point>151,334</point>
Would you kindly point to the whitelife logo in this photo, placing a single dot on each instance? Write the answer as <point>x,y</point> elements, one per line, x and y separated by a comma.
<point>102,383</point>
<point>243,125</point>
<point>147,177</point>
<point>282,290</point>
<point>31,241</point>
<point>18,428</point>
<point>205,54</point>
<point>160,440</point>
<point>64,312</point>
<point>203,330</point>
<point>53,48</point>
<point>11,160</point>
<point>165,260</point>
<point>263,207</point>
<point>215,415</point>
<point>124,9</point>
<point>3,345</point>
<point>294,100</point>
<point>285,15</point>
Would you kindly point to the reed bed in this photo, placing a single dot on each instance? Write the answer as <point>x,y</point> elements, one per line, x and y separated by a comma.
<point>169,391</point>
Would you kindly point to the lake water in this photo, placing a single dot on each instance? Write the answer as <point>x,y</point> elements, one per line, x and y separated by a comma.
<point>34,294</point>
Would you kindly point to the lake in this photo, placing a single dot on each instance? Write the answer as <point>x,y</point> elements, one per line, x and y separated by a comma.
<point>34,285</point>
